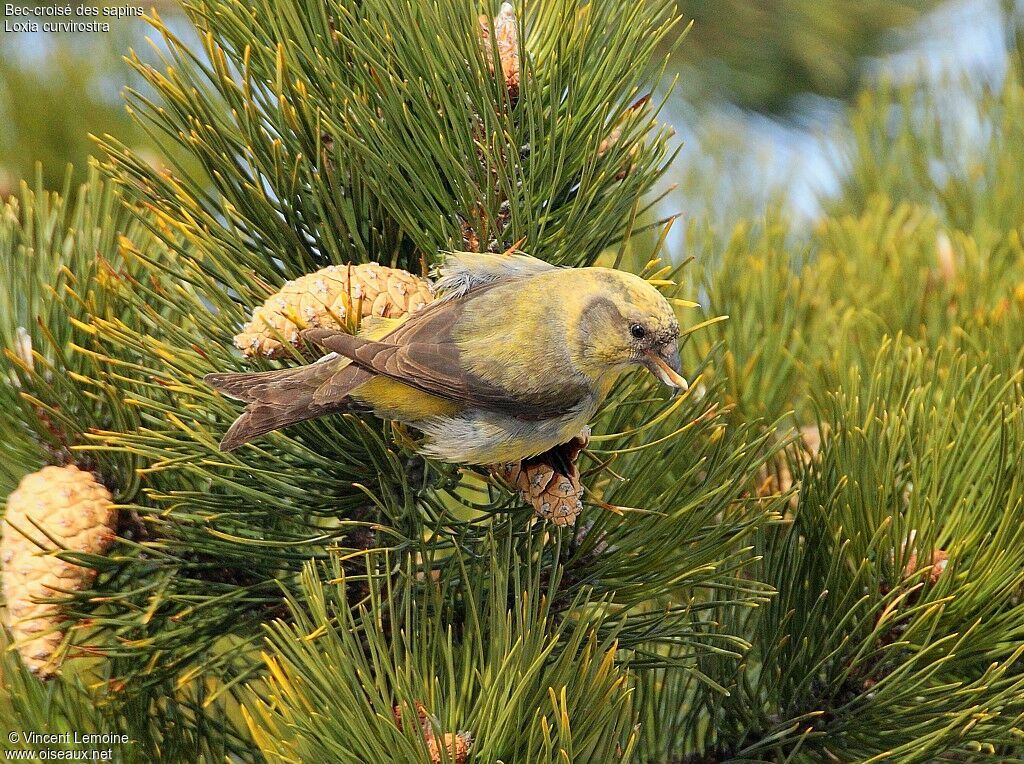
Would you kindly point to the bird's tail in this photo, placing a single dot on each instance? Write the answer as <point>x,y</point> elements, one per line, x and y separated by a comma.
<point>279,398</point>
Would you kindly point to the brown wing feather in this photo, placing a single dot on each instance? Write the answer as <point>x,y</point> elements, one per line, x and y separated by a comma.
<point>422,354</point>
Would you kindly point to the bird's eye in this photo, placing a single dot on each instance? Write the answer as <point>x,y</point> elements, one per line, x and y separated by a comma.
<point>638,331</point>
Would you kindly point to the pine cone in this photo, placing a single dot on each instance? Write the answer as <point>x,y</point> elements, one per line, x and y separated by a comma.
<point>506,33</point>
<point>76,511</point>
<point>457,745</point>
<point>322,299</point>
<point>555,492</point>
<point>940,559</point>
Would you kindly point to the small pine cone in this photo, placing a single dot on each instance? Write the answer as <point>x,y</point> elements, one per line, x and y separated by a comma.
<point>506,33</point>
<point>322,299</point>
<point>940,559</point>
<point>555,496</point>
<point>78,513</point>
<point>457,746</point>
<point>421,717</point>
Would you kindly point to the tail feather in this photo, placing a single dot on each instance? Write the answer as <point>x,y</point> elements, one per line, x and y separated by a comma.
<point>260,418</point>
<point>269,386</point>
<point>279,398</point>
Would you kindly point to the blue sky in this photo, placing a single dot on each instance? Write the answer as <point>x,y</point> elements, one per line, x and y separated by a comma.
<point>960,36</point>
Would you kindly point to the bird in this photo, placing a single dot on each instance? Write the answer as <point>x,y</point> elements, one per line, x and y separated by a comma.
<point>513,358</point>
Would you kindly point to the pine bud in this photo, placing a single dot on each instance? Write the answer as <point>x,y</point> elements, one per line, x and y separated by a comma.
<point>945,257</point>
<point>23,347</point>
<point>23,352</point>
<point>327,299</point>
<point>506,34</point>
<point>642,105</point>
<point>54,508</point>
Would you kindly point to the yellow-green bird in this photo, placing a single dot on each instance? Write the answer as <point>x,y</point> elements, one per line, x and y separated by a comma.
<point>514,358</point>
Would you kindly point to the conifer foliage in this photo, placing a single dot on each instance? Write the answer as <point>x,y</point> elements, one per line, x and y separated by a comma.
<point>325,594</point>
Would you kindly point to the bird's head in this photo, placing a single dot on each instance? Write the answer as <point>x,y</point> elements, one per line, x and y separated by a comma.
<point>625,321</point>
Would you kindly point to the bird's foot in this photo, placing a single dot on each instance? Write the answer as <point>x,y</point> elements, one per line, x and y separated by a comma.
<point>550,481</point>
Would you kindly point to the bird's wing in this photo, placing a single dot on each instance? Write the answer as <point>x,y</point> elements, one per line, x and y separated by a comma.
<point>460,272</point>
<point>423,354</point>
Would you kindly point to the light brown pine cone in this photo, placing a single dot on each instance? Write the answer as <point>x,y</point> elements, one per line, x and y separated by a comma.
<point>325,298</point>
<point>555,495</point>
<point>940,559</point>
<point>457,745</point>
<point>75,511</point>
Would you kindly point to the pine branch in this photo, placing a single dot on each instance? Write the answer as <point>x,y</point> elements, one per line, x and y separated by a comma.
<point>867,650</point>
<point>524,685</point>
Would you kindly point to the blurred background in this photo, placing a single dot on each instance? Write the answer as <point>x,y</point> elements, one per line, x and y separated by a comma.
<point>764,99</point>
